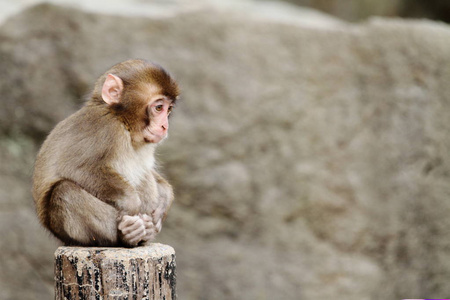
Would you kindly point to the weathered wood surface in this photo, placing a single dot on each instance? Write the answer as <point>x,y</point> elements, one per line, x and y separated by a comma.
<point>115,273</point>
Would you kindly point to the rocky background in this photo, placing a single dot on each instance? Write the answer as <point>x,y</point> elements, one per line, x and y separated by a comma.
<point>355,10</point>
<point>310,156</point>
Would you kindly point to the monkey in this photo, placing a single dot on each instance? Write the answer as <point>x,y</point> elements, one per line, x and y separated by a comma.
<point>95,180</point>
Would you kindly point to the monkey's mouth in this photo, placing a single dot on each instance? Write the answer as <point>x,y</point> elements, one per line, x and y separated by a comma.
<point>150,137</point>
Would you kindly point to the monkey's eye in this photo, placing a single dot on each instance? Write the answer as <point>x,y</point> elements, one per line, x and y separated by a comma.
<point>159,108</point>
<point>169,110</point>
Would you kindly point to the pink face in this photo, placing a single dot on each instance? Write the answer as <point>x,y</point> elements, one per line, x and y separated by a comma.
<point>158,111</point>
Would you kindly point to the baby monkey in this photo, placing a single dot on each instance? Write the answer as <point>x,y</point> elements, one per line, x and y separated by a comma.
<point>95,181</point>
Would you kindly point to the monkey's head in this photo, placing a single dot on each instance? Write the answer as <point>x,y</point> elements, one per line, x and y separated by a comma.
<point>142,95</point>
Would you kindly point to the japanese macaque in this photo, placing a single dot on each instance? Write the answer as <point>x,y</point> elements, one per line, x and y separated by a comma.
<point>95,181</point>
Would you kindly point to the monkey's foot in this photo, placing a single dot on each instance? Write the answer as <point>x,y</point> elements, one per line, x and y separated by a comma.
<point>132,229</point>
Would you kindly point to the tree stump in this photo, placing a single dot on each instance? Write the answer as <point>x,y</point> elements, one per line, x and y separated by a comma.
<point>115,273</point>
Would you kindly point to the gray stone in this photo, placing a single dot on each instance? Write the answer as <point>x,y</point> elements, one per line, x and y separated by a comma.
<point>308,161</point>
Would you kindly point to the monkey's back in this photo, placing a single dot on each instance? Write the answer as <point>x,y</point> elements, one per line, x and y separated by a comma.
<point>75,150</point>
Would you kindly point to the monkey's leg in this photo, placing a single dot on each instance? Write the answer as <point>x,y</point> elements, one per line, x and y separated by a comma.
<point>78,218</point>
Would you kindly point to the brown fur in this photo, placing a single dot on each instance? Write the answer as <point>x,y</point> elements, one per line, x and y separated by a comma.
<point>93,168</point>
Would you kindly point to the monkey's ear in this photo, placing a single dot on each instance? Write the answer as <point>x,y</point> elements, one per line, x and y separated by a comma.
<point>112,89</point>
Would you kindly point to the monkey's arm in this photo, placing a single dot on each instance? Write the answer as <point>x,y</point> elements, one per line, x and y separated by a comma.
<point>157,196</point>
<point>118,192</point>
<point>164,202</point>
<point>165,198</point>
<point>112,188</point>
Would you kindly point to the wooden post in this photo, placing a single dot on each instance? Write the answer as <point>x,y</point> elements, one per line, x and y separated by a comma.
<point>115,273</point>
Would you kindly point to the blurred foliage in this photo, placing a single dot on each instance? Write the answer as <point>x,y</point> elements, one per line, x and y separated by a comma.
<point>357,10</point>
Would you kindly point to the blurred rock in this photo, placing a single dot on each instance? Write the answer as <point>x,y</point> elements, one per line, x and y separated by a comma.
<point>431,9</point>
<point>357,10</point>
<point>310,158</point>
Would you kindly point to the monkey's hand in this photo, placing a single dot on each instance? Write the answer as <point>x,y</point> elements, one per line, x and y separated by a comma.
<point>132,229</point>
<point>150,228</point>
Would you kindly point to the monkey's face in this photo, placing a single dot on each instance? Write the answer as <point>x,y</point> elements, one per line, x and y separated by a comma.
<point>143,101</point>
<point>158,112</point>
